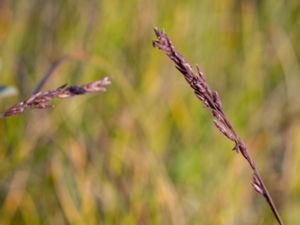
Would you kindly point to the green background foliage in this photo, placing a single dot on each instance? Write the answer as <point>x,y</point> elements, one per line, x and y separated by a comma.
<point>146,151</point>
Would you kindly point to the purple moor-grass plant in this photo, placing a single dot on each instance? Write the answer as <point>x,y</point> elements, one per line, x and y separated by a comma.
<point>212,100</point>
<point>42,100</point>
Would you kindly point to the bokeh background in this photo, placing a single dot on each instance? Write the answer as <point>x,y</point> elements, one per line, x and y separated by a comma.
<point>146,151</point>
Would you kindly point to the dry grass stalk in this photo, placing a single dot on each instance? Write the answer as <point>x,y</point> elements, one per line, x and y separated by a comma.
<point>49,73</point>
<point>212,100</point>
<point>42,100</point>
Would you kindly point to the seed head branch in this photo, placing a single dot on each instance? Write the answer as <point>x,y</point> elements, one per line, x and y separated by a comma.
<point>212,100</point>
<point>42,100</point>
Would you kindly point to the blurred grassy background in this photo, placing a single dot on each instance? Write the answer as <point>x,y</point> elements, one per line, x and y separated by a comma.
<point>146,152</point>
